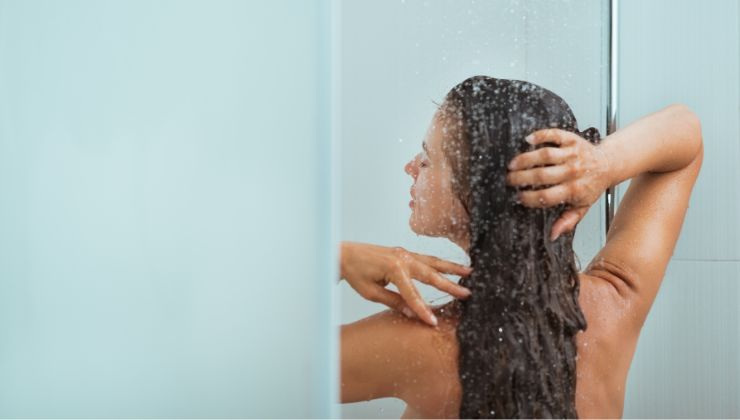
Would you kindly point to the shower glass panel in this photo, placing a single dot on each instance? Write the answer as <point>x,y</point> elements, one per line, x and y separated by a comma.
<point>398,57</point>
<point>687,362</point>
<point>153,260</point>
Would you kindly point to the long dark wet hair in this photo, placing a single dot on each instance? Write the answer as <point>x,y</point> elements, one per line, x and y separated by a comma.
<point>516,333</point>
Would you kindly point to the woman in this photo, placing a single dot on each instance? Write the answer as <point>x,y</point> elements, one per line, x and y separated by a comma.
<point>533,338</point>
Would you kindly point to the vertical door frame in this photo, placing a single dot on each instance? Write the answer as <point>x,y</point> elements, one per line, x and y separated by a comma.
<point>612,97</point>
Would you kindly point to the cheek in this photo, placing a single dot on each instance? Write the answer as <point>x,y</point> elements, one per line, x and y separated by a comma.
<point>430,190</point>
<point>426,186</point>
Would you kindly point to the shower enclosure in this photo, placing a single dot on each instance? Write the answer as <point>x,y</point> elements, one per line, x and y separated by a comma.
<point>613,62</point>
<point>175,177</point>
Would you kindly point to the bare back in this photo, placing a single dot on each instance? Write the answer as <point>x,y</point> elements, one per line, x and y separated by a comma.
<point>388,355</point>
<point>431,387</point>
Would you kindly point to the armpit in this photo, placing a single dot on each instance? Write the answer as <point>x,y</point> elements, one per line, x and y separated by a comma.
<point>623,279</point>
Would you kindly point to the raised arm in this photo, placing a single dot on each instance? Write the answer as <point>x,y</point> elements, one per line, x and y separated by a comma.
<point>662,153</point>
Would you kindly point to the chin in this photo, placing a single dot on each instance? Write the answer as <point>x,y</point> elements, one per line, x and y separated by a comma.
<point>415,227</point>
<point>412,225</point>
<point>423,230</point>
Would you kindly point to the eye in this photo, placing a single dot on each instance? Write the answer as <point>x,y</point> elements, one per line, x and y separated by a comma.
<point>424,160</point>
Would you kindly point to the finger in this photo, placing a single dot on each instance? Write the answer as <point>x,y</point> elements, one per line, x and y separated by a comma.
<point>565,223</point>
<point>443,266</point>
<point>551,135</point>
<point>541,156</point>
<point>387,297</point>
<point>433,278</point>
<point>392,300</point>
<point>545,197</point>
<point>548,175</point>
<point>413,299</point>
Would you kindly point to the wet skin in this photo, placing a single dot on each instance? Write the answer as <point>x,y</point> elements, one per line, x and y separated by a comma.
<point>390,355</point>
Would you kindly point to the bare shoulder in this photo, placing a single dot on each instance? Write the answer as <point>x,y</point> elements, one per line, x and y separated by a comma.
<point>606,346</point>
<point>609,316</point>
<point>390,355</point>
<point>436,392</point>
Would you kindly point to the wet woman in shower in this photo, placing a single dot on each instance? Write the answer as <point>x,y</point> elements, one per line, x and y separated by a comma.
<point>415,357</point>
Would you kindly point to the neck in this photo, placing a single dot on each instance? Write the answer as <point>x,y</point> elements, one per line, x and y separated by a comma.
<point>463,241</point>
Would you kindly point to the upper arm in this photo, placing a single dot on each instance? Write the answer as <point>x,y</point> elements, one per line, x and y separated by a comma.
<point>644,233</point>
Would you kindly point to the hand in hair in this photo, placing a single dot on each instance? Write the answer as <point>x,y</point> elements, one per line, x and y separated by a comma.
<point>574,171</point>
<point>369,268</point>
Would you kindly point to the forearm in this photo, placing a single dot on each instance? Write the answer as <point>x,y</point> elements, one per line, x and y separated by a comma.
<point>664,141</point>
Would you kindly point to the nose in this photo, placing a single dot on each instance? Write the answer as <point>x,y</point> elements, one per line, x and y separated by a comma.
<point>411,168</point>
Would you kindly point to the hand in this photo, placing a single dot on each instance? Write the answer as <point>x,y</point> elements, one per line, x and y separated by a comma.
<point>369,269</point>
<point>577,173</point>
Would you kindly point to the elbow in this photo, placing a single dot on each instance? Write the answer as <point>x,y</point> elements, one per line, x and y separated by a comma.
<point>692,125</point>
<point>695,129</point>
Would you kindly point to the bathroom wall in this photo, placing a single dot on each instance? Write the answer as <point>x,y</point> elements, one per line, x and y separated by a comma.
<point>396,58</point>
<point>165,210</point>
<point>687,362</point>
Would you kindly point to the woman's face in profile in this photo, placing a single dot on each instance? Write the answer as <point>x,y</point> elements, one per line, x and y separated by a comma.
<point>435,210</point>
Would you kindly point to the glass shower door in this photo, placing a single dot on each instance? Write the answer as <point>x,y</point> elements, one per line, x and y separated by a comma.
<point>391,80</point>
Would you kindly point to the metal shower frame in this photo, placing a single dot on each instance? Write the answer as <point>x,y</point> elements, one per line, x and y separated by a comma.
<point>612,93</point>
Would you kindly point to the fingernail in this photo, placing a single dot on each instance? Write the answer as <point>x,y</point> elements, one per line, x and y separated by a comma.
<point>406,311</point>
<point>434,319</point>
<point>466,291</point>
<point>529,139</point>
<point>511,165</point>
<point>552,238</point>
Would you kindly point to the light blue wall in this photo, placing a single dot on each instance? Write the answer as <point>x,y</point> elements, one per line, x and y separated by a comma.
<point>687,362</point>
<point>165,209</point>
